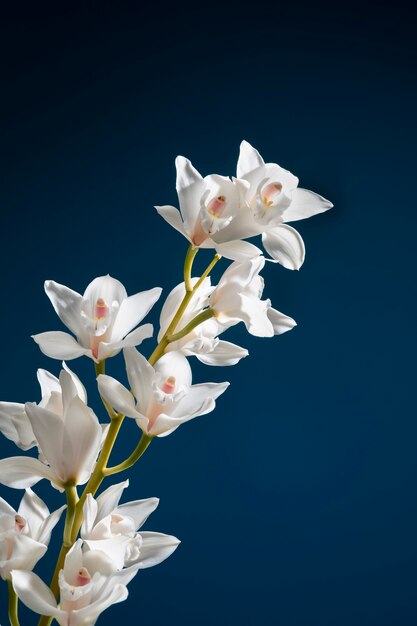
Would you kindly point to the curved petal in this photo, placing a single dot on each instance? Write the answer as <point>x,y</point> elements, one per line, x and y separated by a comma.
<point>305,204</point>
<point>249,159</point>
<point>20,472</point>
<point>280,322</point>
<point>90,516</point>
<point>134,338</point>
<point>285,245</point>
<point>81,392</point>
<point>195,402</point>
<point>81,441</point>
<point>114,548</point>
<point>117,395</point>
<point>34,510</point>
<point>132,311</point>
<point>106,287</point>
<point>109,499</point>
<point>173,217</point>
<point>237,250</point>
<point>33,592</point>
<point>59,345</point>
<point>140,374</point>
<point>48,382</point>
<point>90,614</point>
<point>67,305</point>
<point>49,524</point>
<point>155,548</point>
<point>190,187</point>
<point>15,425</point>
<point>223,354</point>
<point>254,316</point>
<point>48,428</point>
<point>138,510</point>
<point>175,364</point>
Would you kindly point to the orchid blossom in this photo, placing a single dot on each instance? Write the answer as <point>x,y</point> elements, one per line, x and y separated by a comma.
<point>202,341</point>
<point>25,533</point>
<point>237,298</point>
<point>165,395</point>
<point>69,437</point>
<point>112,528</point>
<point>102,319</point>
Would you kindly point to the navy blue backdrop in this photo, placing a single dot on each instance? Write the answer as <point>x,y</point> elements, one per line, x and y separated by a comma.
<point>296,500</point>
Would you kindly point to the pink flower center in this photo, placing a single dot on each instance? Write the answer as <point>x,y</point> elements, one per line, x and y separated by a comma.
<point>169,385</point>
<point>83,577</point>
<point>270,193</point>
<point>216,206</point>
<point>101,310</point>
<point>19,523</point>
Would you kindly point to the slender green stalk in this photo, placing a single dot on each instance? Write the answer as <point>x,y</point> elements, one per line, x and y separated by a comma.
<point>98,474</point>
<point>160,348</point>
<point>13,605</point>
<point>196,321</point>
<point>72,499</point>
<point>142,446</point>
<point>188,266</point>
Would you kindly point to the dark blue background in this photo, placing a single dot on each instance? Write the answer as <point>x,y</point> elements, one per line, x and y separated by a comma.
<point>296,500</point>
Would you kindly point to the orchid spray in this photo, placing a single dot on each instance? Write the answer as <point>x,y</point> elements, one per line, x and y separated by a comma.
<point>103,546</point>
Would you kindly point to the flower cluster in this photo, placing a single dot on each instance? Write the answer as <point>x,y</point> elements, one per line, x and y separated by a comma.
<point>103,545</point>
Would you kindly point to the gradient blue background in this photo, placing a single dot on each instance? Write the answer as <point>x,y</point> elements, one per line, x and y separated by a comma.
<point>296,501</point>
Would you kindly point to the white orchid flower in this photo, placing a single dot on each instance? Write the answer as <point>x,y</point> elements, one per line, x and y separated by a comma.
<point>69,437</point>
<point>14,422</point>
<point>165,395</point>
<point>237,298</point>
<point>207,207</point>
<point>112,528</point>
<point>25,533</point>
<point>102,319</point>
<point>86,586</point>
<point>273,198</point>
<point>203,341</point>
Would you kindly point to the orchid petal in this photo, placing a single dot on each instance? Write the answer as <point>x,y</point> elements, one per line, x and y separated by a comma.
<point>305,204</point>
<point>173,217</point>
<point>132,311</point>
<point>190,187</point>
<point>67,305</point>
<point>116,395</point>
<point>134,338</point>
<point>285,245</point>
<point>224,353</point>
<point>155,548</point>
<point>281,323</point>
<point>21,472</point>
<point>138,510</point>
<point>60,345</point>
<point>237,250</point>
<point>33,592</point>
<point>249,159</point>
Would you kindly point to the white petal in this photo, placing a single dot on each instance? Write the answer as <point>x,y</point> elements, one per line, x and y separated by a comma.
<point>238,250</point>
<point>109,499</point>
<point>81,392</point>
<point>134,338</point>
<point>116,395</point>
<point>285,245</point>
<point>138,510</point>
<point>81,441</point>
<point>280,322</point>
<point>6,509</point>
<point>305,204</point>
<point>254,315</point>
<point>132,311</point>
<point>190,187</point>
<point>89,615</point>
<point>106,287</point>
<point>73,562</point>
<point>48,428</point>
<point>114,549</point>
<point>34,510</point>
<point>224,353</point>
<point>33,592</point>
<point>249,159</point>
<point>48,382</point>
<point>20,472</point>
<point>155,548</point>
<point>90,515</point>
<point>15,425</point>
<point>67,304</point>
<point>49,524</point>
<point>140,374</point>
<point>197,400</point>
<point>59,345</point>
<point>177,365</point>
<point>173,217</point>
<point>24,553</point>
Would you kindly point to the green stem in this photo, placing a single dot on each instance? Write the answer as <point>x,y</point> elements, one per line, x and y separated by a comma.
<point>142,446</point>
<point>13,605</point>
<point>196,321</point>
<point>160,348</point>
<point>98,474</point>
<point>72,499</point>
<point>188,266</point>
